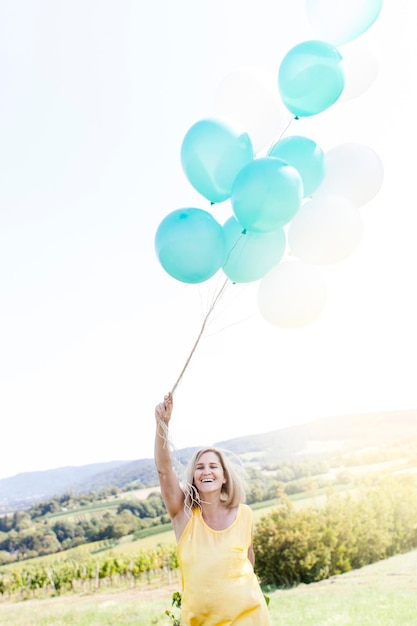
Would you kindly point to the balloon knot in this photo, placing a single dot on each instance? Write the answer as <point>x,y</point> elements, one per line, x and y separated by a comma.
<point>244,231</point>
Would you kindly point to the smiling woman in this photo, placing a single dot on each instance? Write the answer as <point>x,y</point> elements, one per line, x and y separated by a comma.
<point>208,470</point>
<point>214,529</point>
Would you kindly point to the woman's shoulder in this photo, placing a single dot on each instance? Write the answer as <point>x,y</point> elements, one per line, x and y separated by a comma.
<point>245,511</point>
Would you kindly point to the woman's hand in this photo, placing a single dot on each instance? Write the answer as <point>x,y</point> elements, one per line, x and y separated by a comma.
<point>163,410</point>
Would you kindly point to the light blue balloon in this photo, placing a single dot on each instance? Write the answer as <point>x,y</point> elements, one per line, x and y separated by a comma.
<point>212,153</point>
<point>251,255</point>
<point>266,195</point>
<point>190,245</point>
<point>307,158</point>
<point>311,78</point>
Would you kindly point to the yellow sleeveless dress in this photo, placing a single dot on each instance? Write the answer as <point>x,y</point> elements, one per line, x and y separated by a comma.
<point>219,586</point>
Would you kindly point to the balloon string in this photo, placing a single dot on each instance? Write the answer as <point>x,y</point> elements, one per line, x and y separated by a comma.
<point>202,329</point>
<point>290,120</point>
<point>284,127</point>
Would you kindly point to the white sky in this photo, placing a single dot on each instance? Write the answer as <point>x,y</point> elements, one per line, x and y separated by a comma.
<point>95,100</point>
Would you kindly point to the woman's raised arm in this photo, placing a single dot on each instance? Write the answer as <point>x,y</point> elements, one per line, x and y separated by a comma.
<point>171,492</point>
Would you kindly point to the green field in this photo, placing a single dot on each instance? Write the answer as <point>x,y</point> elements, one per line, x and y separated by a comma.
<point>98,509</point>
<point>382,594</point>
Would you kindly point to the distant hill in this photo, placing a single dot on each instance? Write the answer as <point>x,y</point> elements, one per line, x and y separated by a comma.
<point>320,437</point>
<point>28,487</point>
<point>330,433</point>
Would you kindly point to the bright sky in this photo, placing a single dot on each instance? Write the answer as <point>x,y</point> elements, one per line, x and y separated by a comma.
<point>97,96</point>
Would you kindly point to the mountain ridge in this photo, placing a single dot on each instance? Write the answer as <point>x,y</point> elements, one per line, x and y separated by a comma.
<point>321,436</point>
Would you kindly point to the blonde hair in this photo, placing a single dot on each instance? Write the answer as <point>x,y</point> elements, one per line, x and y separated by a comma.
<point>233,491</point>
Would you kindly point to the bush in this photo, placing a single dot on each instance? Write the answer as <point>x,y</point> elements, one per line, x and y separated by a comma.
<point>350,531</point>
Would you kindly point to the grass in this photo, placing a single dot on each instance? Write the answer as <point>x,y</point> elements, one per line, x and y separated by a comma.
<point>383,593</point>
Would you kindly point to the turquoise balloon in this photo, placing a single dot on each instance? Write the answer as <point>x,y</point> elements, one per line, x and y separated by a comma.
<point>251,255</point>
<point>307,158</point>
<point>190,245</point>
<point>212,153</point>
<point>311,78</point>
<point>266,195</point>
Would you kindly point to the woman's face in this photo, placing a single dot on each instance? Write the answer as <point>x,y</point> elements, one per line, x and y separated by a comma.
<point>208,473</point>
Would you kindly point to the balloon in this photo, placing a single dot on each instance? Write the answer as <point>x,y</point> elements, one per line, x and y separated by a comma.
<point>292,294</point>
<point>326,229</point>
<point>360,67</point>
<point>249,95</point>
<point>353,171</point>
<point>310,78</point>
<point>190,245</point>
<point>340,21</point>
<point>212,153</point>
<point>251,255</point>
<point>307,158</point>
<point>266,194</point>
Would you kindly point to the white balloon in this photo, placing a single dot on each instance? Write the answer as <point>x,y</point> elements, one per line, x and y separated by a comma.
<point>340,21</point>
<point>250,97</point>
<point>353,171</point>
<point>325,230</point>
<point>292,294</point>
<point>360,67</point>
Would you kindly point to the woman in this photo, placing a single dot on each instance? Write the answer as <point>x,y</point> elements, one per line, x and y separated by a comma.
<point>213,528</point>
